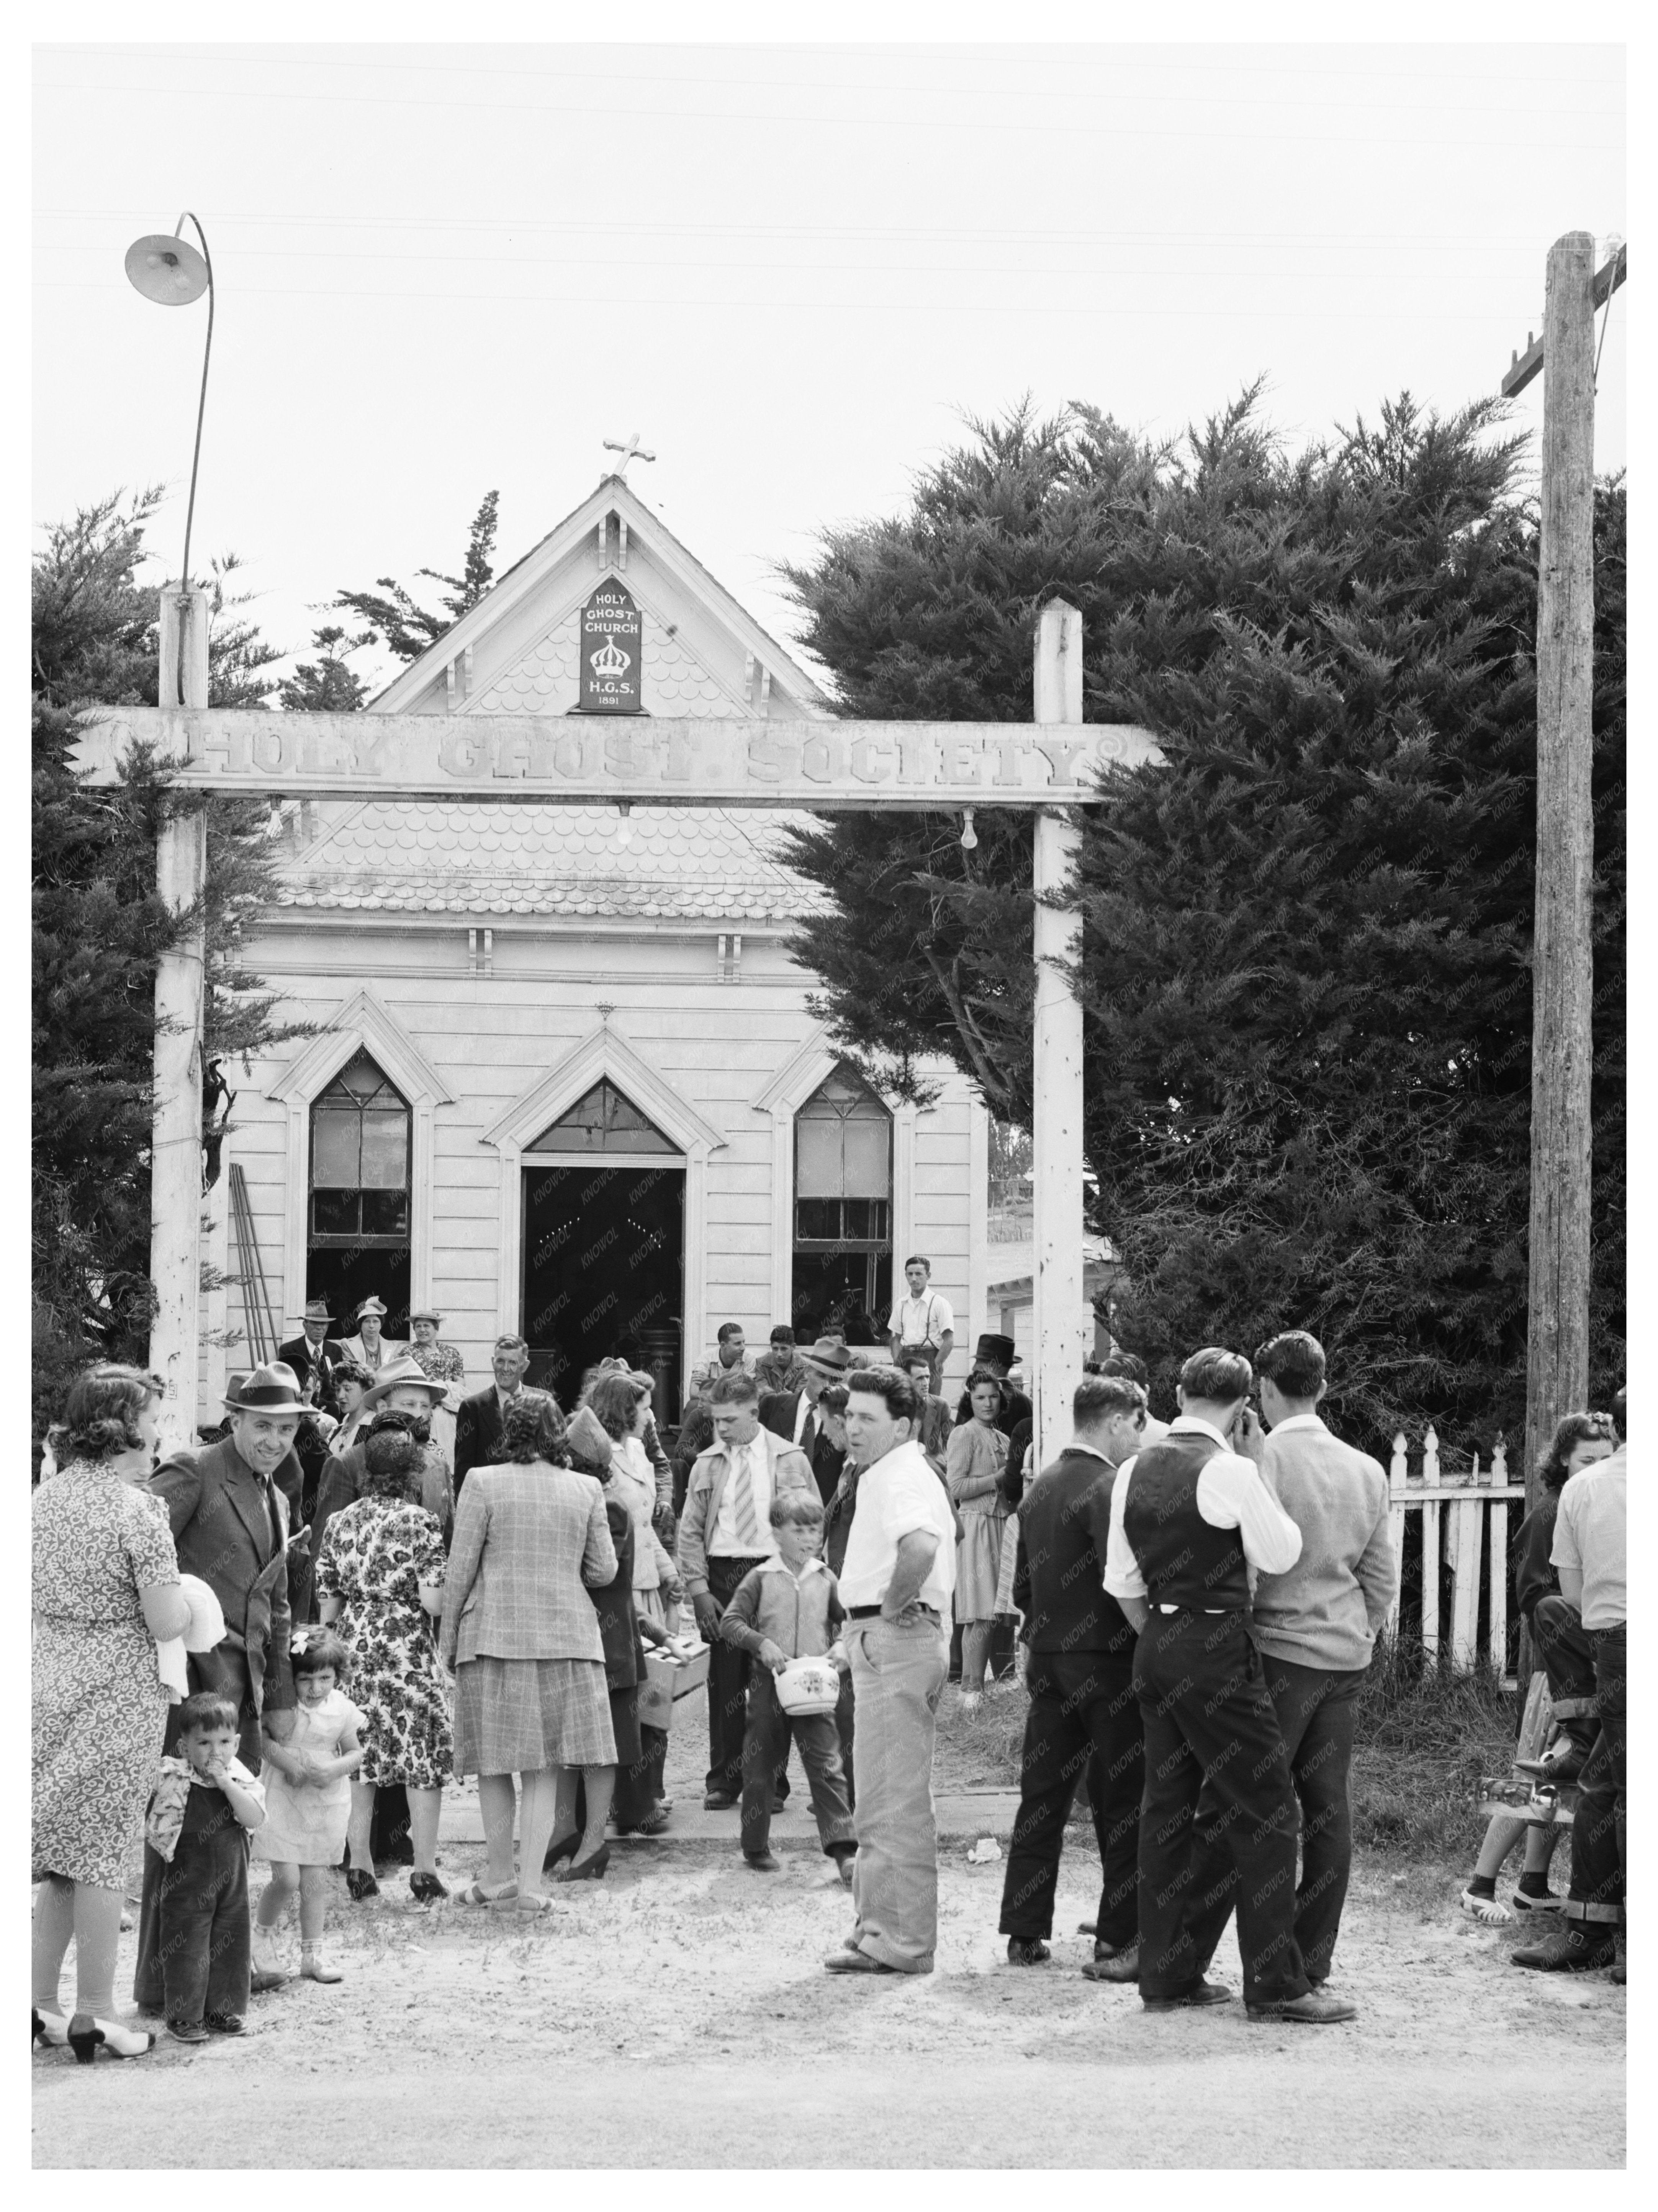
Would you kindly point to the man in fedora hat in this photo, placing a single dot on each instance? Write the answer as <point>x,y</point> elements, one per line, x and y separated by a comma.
<point>230,1527</point>
<point>314,1351</point>
<point>793,1415</point>
<point>401,1387</point>
<point>368,1347</point>
<point>996,1355</point>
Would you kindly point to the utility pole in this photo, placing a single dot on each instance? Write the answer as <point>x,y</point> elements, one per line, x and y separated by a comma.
<point>175,1157</point>
<point>1558,1312</point>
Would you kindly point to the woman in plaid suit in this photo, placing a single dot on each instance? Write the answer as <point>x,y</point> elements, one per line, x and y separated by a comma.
<point>520,1631</point>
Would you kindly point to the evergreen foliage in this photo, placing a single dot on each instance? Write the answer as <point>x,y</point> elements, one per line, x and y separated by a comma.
<point>98,929</point>
<point>410,628</point>
<point>1307,935</point>
<point>326,685</point>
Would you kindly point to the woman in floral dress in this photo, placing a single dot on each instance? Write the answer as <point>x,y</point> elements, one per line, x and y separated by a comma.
<point>105,1589</point>
<point>379,1581</point>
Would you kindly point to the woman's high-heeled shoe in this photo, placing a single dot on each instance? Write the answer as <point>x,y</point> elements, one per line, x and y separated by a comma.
<point>588,1869</point>
<point>86,2033</point>
<point>566,1848</point>
<point>48,2027</point>
<point>360,1884</point>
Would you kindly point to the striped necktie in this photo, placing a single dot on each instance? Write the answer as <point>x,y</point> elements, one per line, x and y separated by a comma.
<point>748,1521</point>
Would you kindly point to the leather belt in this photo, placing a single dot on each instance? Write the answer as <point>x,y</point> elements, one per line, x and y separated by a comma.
<point>869,1612</point>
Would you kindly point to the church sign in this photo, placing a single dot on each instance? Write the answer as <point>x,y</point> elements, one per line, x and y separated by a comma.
<point>612,652</point>
<point>695,761</point>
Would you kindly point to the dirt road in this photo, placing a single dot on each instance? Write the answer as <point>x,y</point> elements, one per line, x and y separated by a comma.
<point>632,2031</point>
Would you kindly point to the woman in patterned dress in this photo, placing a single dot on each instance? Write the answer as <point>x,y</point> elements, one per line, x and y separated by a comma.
<point>379,1581</point>
<point>106,1590</point>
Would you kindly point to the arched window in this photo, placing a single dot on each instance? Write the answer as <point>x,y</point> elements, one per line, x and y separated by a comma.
<point>842,1207</point>
<point>359,1161</point>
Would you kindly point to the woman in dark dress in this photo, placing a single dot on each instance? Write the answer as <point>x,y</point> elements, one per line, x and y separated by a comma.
<point>641,1752</point>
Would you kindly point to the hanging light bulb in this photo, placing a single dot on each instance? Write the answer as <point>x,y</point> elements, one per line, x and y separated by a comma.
<point>969,835</point>
<point>625,835</point>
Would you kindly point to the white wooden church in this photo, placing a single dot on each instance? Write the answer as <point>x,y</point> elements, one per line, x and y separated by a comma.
<point>567,1084</point>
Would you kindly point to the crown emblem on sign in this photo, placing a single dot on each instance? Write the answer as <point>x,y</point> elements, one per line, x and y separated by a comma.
<point>610,660</point>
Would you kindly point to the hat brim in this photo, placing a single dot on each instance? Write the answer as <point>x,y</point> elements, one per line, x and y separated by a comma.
<point>437,1391</point>
<point>294,1405</point>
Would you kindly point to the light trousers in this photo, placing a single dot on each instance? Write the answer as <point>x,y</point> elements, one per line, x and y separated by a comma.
<point>898,1674</point>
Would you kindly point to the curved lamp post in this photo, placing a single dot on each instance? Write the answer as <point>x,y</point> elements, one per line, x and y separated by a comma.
<point>173,274</point>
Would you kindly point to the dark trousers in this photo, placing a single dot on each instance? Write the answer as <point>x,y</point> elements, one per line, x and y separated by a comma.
<point>1564,1646</point>
<point>638,1782</point>
<point>765,1738</point>
<point>203,1923</point>
<point>1598,1829</point>
<point>844,1727</point>
<point>1219,1809</point>
<point>1084,1726</point>
<point>728,1687</point>
<point>223,1669</point>
<point>1317,1708</point>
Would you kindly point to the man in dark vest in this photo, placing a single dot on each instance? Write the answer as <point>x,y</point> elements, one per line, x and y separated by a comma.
<point>1191,1521</point>
<point>1079,1670</point>
<point>229,1522</point>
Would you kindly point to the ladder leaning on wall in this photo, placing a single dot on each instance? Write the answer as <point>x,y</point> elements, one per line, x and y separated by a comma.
<point>263,1338</point>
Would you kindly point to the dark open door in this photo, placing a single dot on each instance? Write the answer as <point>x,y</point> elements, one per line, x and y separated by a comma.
<point>603,1270</point>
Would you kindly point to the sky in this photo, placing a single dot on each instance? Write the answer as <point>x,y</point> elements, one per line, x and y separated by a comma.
<point>793,270</point>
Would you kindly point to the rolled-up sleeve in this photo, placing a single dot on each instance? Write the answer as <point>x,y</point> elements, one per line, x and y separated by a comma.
<point>1122,1576</point>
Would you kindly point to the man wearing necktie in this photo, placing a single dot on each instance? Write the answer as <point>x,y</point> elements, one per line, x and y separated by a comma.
<point>794,1416</point>
<point>230,1525</point>
<point>724,1531</point>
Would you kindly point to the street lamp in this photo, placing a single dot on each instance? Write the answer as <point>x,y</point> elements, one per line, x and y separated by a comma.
<point>173,274</point>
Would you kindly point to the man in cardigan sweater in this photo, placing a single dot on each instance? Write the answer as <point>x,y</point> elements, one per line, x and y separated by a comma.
<point>1315,1626</point>
<point>1079,1670</point>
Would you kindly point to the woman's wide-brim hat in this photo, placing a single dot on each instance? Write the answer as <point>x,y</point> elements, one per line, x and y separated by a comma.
<point>207,1624</point>
<point>371,1306</point>
<point>424,1313</point>
<point>403,1375</point>
<point>272,1388</point>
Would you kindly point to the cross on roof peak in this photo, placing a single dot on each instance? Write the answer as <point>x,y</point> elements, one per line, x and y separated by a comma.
<point>632,451</point>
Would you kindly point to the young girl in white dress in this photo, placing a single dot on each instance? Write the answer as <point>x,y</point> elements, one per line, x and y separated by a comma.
<point>307,1803</point>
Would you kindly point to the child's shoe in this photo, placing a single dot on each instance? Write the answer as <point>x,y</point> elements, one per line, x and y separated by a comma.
<point>186,2030</point>
<point>268,1971</point>
<point>314,1967</point>
<point>227,2023</point>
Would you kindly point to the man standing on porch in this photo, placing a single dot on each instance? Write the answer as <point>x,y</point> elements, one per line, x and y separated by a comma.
<point>724,1531</point>
<point>924,1321</point>
<point>733,1358</point>
<point>896,1581</point>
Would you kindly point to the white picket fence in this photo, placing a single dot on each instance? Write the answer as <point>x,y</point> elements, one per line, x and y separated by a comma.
<point>1465,1524</point>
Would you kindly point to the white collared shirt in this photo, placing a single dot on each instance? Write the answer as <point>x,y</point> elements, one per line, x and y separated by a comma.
<point>724,1543</point>
<point>1231,1494</point>
<point>923,1320</point>
<point>897,1495</point>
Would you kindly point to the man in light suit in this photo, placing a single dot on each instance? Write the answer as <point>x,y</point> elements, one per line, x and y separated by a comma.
<point>792,1414</point>
<point>229,1522</point>
<point>725,1530</point>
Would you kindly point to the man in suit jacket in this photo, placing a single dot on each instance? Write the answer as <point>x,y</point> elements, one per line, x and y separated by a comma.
<point>314,1352</point>
<point>477,1421</point>
<point>792,1414</point>
<point>725,1530</point>
<point>1079,1669</point>
<point>229,1522</point>
<point>1316,1624</point>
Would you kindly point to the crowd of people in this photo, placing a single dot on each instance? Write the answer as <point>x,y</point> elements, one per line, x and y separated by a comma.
<point>280,1648</point>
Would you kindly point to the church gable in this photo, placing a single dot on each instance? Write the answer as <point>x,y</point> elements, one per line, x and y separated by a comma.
<point>519,650</point>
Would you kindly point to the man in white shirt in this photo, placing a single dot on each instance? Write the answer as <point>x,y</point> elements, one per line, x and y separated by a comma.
<point>725,1530</point>
<point>923,1321</point>
<point>1591,1555</point>
<point>896,1581</point>
<point>1191,1524</point>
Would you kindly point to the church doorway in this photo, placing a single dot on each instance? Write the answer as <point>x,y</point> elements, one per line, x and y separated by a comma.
<point>603,1247</point>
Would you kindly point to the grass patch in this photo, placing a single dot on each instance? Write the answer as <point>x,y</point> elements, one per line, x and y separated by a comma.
<point>1425,1736</point>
